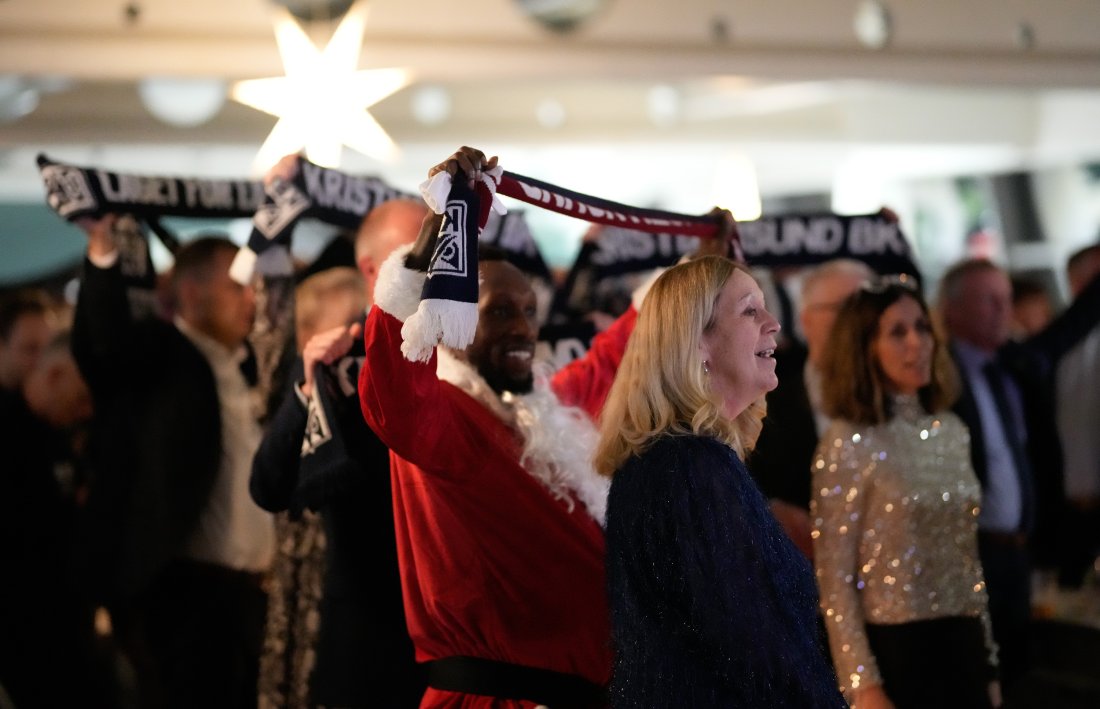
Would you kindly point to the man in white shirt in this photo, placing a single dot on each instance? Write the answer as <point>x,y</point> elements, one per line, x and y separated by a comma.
<point>172,542</point>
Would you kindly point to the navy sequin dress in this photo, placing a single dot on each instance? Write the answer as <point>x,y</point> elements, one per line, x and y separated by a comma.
<point>711,604</point>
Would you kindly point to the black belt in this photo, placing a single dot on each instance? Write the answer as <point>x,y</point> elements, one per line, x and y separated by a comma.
<point>490,678</point>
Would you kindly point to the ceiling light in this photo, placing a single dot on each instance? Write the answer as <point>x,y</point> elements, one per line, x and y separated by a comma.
<point>663,105</point>
<point>550,113</point>
<point>736,187</point>
<point>18,97</point>
<point>182,102</point>
<point>872,24</point>
<point>431,105</point>
<point>322,101</point>
<point>560,15</point>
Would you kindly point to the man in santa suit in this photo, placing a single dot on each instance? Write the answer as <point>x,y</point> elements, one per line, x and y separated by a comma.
<point>497,509</point>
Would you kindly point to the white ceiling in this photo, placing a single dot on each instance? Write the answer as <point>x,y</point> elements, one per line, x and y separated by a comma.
<point>784,82</point>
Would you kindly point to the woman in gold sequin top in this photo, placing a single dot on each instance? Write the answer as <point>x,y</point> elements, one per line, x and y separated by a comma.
<point>895,507</point>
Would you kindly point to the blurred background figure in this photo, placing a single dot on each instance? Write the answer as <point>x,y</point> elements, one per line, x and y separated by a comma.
<point>328,298</point>
<point>337,634</point>
<point>780,463</point>
<point>1032,309</point>
<point>1078,410</point>
<point>1006,402</point>
<point>47,656</point>
<point>170,541</point>
<point>25,329</point>
<point>895,500</point>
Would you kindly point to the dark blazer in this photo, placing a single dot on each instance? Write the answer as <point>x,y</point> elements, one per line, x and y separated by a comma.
<point>155,440</point>
<point>1031,364</point>
<point>364,655</point>
<point>780,463</point>
<point>1044,452</point>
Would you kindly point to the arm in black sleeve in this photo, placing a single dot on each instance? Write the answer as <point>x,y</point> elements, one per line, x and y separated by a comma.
<point>102,337</point>
<point>275,466</point>
<point>1070,327</point>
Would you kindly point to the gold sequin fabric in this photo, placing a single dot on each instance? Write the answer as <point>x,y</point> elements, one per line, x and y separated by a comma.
<point>895,510</point>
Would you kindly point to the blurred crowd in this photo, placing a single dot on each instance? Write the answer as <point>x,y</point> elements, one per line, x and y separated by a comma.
<point>178,533</point>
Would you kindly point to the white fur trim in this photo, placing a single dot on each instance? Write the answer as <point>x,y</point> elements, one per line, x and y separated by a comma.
<point>243,266</point>
<point>398,288</point>
<point>639,294</point>
<point>558,441</point>
<point>449,322</point>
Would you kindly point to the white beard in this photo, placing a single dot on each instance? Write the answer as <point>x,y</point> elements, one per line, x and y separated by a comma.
<point>558,441</point>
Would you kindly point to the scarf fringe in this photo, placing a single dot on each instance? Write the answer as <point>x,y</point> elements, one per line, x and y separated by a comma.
<point>436,321</point>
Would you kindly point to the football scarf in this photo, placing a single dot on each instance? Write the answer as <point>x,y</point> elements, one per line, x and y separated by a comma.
<point>448,308</point>
<point>321,193</point>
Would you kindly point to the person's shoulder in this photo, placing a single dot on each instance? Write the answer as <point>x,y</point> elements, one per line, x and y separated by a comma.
<point>673,456</point>
<point>685,445</point>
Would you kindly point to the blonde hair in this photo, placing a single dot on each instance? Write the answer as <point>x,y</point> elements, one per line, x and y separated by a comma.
<point>661,388</point>
<point>316,296</point>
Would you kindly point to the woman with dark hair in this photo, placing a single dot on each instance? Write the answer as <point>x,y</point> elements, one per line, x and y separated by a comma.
<point>711,603</point>
<point>895,512</point>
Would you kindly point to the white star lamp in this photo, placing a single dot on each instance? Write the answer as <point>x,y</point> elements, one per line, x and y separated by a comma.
<point>322,101</point>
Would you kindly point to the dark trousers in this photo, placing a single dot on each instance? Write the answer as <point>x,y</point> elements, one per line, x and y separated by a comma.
<point>1007,566</point>
<point>194,638</point>
<point>940,663</point>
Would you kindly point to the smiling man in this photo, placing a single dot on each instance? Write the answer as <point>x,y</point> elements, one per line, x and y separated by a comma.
<point>497,509</point>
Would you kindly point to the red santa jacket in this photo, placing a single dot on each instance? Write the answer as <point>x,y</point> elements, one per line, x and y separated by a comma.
<point>493,565</point>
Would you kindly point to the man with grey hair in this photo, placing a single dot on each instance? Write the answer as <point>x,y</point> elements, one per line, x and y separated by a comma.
<point>781,461</point>
<point>1006,400</point>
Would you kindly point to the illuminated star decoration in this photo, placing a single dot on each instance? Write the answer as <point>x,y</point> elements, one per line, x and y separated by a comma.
<point>323,99</point>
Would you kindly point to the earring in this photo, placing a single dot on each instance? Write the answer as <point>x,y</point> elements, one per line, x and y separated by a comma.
<point>706,367</point>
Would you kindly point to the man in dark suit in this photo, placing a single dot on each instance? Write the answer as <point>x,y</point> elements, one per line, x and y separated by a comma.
<point>1006,401</point>
<point>171,543</point>
<point>780,463</point>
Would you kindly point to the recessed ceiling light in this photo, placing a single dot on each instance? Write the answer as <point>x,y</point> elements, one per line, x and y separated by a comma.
<point>550,113</point>
<point>872,24</point>
<point>431,105</point>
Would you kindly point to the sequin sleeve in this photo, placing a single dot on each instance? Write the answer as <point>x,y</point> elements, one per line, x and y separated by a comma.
<point>840,470</point>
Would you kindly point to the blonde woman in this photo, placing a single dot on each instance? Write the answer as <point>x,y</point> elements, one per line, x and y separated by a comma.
<point>711,604</point>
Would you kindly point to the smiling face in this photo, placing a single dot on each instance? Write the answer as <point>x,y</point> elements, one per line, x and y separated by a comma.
<point>738,345</point>
<point>507,328</point>
<point>903,346</point>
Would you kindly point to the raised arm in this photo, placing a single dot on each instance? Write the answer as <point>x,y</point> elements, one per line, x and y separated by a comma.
<point>103,323</point>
